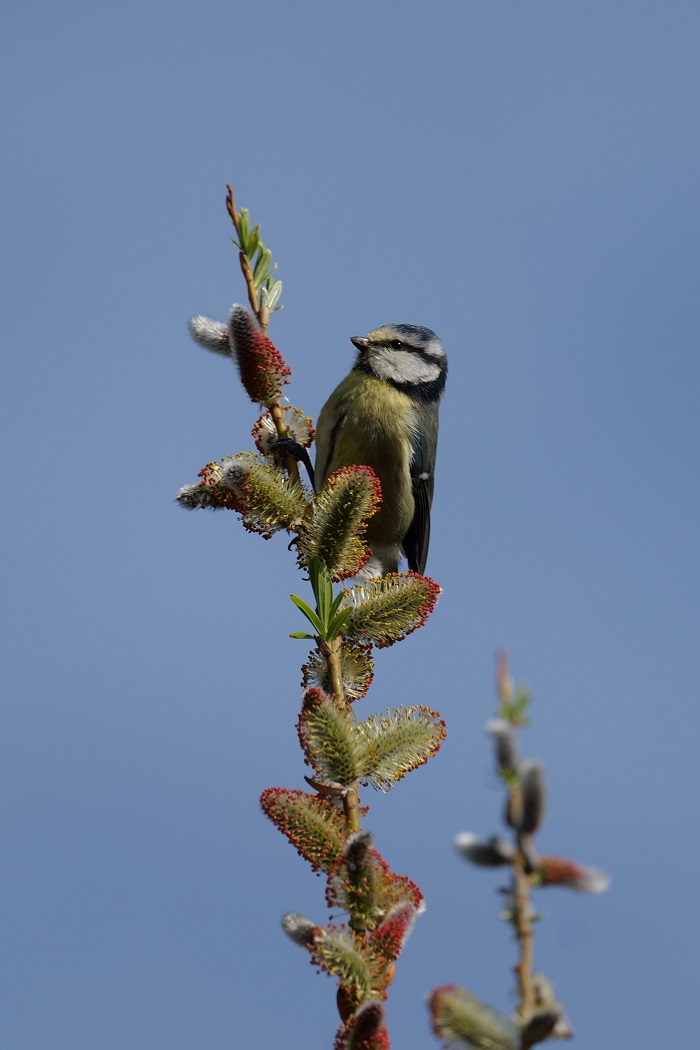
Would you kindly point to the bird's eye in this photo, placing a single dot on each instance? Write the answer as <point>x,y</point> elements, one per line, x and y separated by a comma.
<point>396,344</point>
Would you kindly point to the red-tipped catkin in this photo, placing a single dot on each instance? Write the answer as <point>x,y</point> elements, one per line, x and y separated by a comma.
<point>262,368</point>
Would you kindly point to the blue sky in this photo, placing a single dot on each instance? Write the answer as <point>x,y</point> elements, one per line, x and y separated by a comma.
<point>523,178</point>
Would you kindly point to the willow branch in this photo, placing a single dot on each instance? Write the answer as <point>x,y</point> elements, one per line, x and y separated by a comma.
<point>262,314</point>
<point>277,417</point>
<point>522,919</point>
<point>332,653</point>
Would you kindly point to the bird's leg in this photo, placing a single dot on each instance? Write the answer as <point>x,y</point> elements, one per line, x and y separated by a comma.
<point>290,447</point>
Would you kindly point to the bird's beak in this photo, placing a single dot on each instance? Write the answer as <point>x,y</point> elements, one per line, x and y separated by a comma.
<point>360,342</point>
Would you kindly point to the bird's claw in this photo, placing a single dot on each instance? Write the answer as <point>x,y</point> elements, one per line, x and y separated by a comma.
<point>287,446</point>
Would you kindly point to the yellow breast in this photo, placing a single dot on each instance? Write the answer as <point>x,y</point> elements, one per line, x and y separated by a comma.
<point>367,421</point>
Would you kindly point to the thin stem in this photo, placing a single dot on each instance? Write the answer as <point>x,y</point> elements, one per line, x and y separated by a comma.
<point>332,653</point>
<point>263,315</point>
<point>351,801</point>
<point>523,927</point>
<point>246,268</point>
<point>231,208</point>
<point>351,807</point>
<point>277,416</point>
<point>247,271</point>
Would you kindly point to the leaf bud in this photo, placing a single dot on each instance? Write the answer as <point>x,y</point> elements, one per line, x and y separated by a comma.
<point>298,929</point>
<point>356,851</point>
<point>392,933</point>
<point>212,335</point>
<point>484,853</point>
<point>546,1018</point>
<point>539,1025</point>
<point>530,856</point>
<point>505,742</point>
<point>558,871</point>
<point>526,803</point>
<point>366,1028</point>
<point>460,1019</point>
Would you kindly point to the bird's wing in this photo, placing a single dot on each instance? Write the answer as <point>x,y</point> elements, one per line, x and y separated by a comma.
<point>417,539</point>
<point>328,427</point>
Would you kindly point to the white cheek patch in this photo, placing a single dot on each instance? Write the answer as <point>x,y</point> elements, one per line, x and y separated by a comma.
<point>401,366</point>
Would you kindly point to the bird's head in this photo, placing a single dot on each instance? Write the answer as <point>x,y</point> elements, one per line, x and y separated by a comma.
<point>408,356</point>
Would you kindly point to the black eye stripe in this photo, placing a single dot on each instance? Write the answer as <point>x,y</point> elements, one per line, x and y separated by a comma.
<point>425,391</point>
<point>432,359</point>
<point>395,344</point>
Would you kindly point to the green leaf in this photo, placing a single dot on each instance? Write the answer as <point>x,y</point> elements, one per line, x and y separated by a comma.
<point>308,613</point>
<point>262,265</point>
<point>244,228</point>
<point>253,240</point>
<point>338,615</point>
<point>274,293</point>
<point>314,570</point>
<point>323,591</point>
<point>337,623</point>
<point>303,634</point>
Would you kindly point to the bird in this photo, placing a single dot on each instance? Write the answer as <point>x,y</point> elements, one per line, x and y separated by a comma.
<point>384,415</point>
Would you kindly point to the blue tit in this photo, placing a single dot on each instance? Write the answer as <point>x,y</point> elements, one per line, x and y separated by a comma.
<point>384,415</point>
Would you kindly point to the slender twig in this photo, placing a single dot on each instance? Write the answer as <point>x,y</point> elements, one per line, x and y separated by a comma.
<point>263,315</point>
<point>351,801</point>
<point>332,651</point>
<point>277,416</point>
<point>522,920</point>
<point>332,654</point>
<point>231,207</point>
